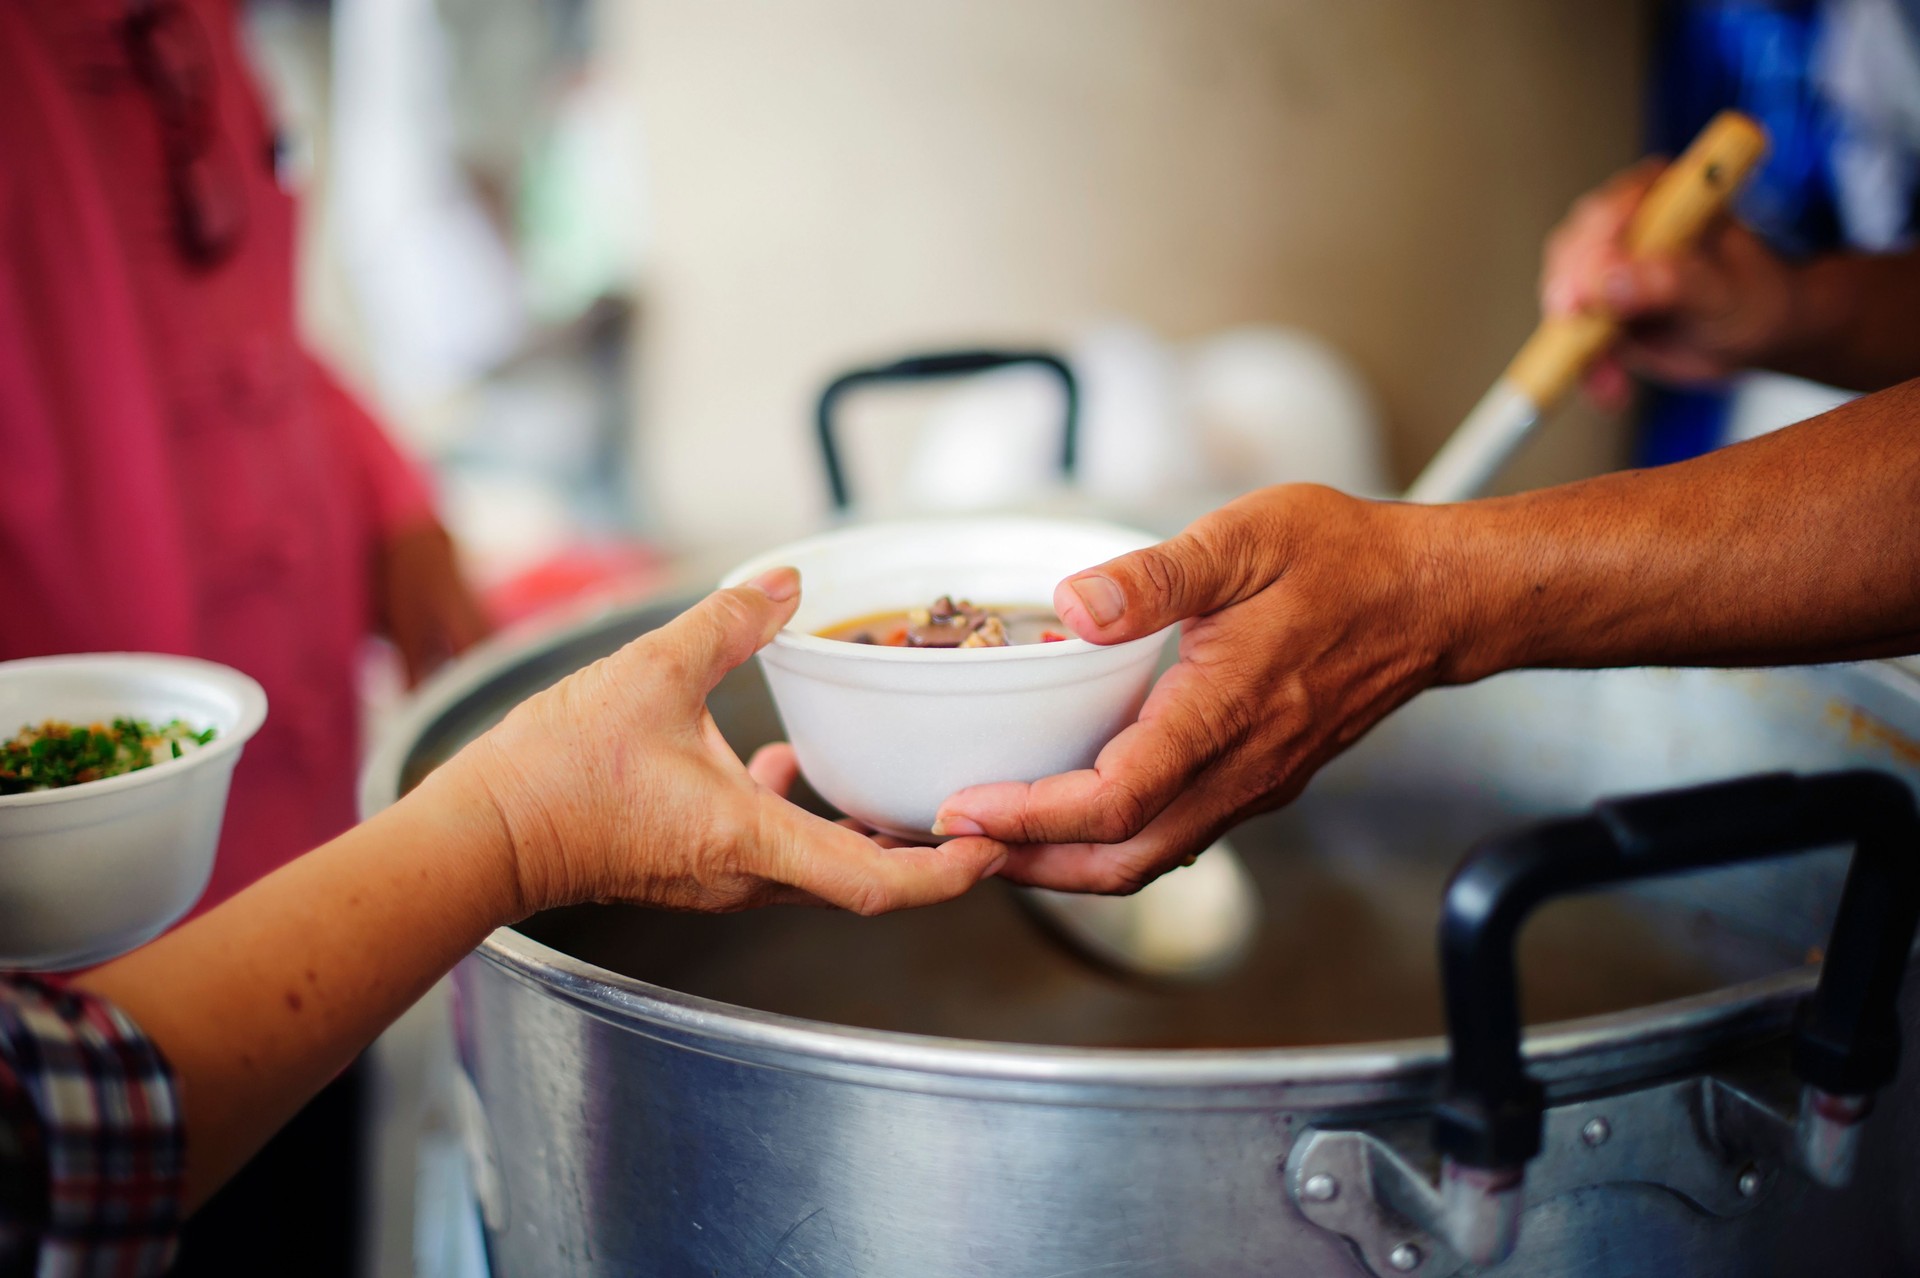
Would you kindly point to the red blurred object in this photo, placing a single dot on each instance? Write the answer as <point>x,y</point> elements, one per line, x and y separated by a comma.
<point>615,567</point>
<point>177,472</point>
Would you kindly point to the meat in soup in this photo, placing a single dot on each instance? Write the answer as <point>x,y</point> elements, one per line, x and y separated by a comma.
<point>947,624</point>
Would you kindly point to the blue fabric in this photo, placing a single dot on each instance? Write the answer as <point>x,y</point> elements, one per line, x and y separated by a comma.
<point>1756,57</point>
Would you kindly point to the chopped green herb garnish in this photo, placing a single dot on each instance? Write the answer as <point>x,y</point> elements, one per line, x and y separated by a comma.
<point>60,754</point>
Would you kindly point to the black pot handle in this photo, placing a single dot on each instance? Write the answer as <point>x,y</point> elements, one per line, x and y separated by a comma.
<point>1847,1041</point>
<point>941,364</point>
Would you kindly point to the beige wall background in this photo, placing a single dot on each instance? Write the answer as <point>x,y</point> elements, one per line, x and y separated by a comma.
<point>840,180</point>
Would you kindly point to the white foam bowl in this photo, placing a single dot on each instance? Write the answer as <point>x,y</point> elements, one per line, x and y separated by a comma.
<point>886,734</point>
<point>90,871</point>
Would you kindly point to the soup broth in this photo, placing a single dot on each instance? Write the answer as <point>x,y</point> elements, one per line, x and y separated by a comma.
<point>949,624</point>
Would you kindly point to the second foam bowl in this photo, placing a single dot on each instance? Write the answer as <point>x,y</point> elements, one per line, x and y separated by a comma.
<point>886,734</point>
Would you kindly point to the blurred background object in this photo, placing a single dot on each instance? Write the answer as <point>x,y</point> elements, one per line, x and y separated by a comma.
<point>1270,405</point>
<point>1837,85</point>
<point>597,259</point>
<point>474,224</point>
<point>852,180</point>
<point>1165,431</point>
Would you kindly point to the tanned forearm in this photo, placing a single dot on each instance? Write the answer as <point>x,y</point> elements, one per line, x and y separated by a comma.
<point>1800,546</point>
<point>1852,321</point>
<point>262,1001</point>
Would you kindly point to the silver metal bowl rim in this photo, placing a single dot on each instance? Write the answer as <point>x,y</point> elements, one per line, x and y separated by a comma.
<point>1634,1042</point>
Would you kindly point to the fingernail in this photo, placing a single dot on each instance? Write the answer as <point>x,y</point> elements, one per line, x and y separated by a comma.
<point>995,868</point>
<point>778,584</point>
<point>1101,598</point>
<point>956,827</point>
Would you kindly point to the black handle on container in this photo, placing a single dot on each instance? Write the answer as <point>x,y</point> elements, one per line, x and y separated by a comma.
<point>918,368</point>
<point>1847,1042</point>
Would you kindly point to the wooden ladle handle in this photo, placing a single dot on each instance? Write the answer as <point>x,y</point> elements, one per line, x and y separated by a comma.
<point>1695,189</point>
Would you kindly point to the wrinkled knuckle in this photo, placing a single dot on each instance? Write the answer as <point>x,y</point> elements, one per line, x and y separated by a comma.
<point>1293,706</point>
<point>1257,543</point>
<point>667,662</point>
<point>1234,720</point>
<point>731,611</point>
<point>738,843</point>
<point>730,894</point>
<point>1120,879</point>
<point>1121,815</point>
<point>1162,573</point>
<point>870,898</point>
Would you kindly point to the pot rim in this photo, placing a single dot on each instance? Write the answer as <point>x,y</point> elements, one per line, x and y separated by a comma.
<point>1569,1056</point>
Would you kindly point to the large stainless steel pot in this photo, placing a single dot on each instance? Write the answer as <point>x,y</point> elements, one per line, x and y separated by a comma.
<point>944,1093</point>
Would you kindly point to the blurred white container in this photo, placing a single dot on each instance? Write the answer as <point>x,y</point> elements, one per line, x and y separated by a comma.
<point>93,870</point>
<point>1161,426</point>
<point>1764,402</point>
<point>1136,446</point>
<point>886,734</point>
<point>991,442</point>
<point>1278,405</point>
<point>994,441</point>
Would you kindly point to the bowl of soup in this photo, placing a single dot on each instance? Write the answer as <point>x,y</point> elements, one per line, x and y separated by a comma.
<point>114,771</point>
<point>925,657</point>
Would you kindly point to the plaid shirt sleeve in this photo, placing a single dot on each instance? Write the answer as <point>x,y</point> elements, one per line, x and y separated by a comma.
<point>92,1152</point>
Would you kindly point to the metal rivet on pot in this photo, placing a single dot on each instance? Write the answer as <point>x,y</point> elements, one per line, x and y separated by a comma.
<point>1596,1131</point>
<point>1405,1258</point>
<point>1749,1183</point>
<point>1320,1188</point>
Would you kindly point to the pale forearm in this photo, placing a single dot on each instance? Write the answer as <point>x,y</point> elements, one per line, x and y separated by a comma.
<point>1851,321</point>
<point>258,1004</point>
<point>1800,546</point>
